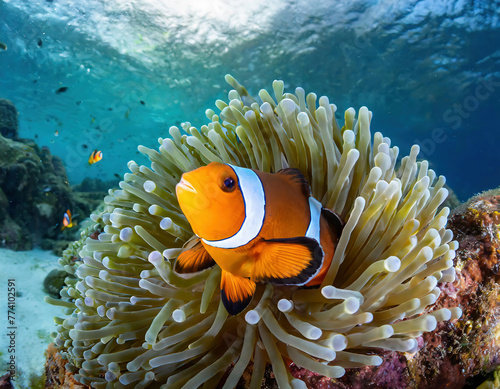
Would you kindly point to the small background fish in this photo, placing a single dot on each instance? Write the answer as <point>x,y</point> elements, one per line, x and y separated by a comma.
<point>95,157</point>
<point>67,220</point>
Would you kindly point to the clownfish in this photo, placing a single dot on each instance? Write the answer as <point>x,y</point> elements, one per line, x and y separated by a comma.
<point>67,220</point>
<point>95,156</point>
<point>258,227</point>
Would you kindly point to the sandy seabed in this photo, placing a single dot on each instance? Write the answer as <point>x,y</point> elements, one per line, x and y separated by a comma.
<point>33,318</point>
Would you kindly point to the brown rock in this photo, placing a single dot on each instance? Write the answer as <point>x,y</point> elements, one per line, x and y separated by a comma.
<point>57,376</point>
<point>5,382</point>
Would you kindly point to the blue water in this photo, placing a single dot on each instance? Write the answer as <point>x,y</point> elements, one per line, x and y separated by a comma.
<point>429,71</point>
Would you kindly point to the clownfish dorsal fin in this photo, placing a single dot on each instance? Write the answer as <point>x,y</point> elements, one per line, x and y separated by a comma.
<point>193,258</point>
<point>236,292</point>
<point>334,221</point>
<point>297,179</point>
<point>288,261</point>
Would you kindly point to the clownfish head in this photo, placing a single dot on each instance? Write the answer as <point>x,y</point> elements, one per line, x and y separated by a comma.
<point>210,197</point>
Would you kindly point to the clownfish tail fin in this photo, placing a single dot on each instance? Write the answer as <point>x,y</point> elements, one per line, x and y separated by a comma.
<point>193,259</point>
<point>236,292</point>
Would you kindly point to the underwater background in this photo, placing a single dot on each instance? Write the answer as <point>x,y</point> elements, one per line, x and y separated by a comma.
<point>111,75</point>
<point>428,70</point>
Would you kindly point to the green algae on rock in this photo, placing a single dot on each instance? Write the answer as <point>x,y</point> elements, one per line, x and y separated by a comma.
<point>132,320</point>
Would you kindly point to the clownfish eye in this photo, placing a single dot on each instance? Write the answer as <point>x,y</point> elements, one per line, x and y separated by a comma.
<point>229,184</point>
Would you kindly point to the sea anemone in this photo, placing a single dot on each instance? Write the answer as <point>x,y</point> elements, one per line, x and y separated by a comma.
<point>132,321</point>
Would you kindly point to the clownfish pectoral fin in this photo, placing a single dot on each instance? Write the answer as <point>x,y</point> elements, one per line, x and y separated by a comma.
<point>194,259</point>
<point>288,261</point>
<point>236,292</point>
<point>297,179</point>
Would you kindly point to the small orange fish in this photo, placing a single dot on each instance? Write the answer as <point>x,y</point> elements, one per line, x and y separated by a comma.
<point>96,156</point>
<point>67,220</point>
<point>258,227</point>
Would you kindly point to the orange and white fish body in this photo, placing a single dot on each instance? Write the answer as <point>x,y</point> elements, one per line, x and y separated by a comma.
<point>67,220</point>
<point>95,156</point>
<point>258,227</point>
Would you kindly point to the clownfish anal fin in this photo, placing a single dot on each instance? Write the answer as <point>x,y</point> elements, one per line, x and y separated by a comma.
<point>194,259</point>
<point>288,261</point>
<point>334,221</point>
<point>236,292</point>
<point>298,179</point>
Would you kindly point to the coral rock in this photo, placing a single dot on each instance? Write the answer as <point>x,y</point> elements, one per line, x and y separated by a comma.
<point>9,125</point>
<point>34,189</point>
<point>57,376</point>
<point>54,282</point>
<point>5,382</point>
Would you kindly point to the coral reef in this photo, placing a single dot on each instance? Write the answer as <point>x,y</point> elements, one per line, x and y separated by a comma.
<point>131,320</point>
<point>95,185</point>
<point>34,191</point>
<point>472,347</point>
<point>9,125</point>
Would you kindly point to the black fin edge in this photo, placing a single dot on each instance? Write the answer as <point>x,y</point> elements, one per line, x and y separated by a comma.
<point>298,178</point>
<point>204,265</point>
<point>234,307</point>
<point>333,220</point>
<point>310,270</point>
<point>181,271</point>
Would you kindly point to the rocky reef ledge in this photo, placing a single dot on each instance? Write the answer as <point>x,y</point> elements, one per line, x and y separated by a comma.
<point>34,188</point>
<point>457,354</point>
<point>35,193</point>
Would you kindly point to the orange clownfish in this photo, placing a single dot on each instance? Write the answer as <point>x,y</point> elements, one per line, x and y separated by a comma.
<point>96,156</point>
<point>67,220</point>
<point>258,227</point>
